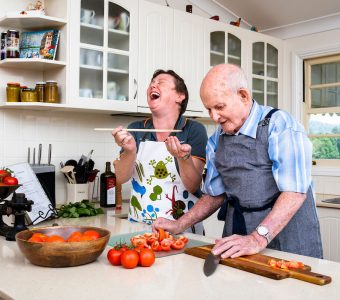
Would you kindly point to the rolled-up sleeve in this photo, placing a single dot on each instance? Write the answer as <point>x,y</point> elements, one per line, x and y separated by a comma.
<point>291,153</point>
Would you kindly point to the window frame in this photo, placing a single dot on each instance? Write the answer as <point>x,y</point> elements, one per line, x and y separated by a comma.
<point>307,107</point>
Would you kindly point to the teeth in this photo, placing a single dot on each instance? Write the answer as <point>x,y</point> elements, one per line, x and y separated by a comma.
<point>154,95</point>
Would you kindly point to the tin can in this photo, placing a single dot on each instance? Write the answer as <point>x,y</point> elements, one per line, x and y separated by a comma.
<point>12,44</point>
<point>3,44</point>
<point>40,88</point>
<point>51,92</point>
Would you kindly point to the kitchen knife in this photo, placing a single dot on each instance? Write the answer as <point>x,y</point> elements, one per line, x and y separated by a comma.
<point>29,155</point>
<point>34,156</point>
<point>210,264</point>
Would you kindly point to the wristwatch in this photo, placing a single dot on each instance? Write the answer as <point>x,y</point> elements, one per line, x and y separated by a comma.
<point>263,231</point>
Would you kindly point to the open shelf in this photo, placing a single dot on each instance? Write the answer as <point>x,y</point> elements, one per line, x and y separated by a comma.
<point>30,21</point>
<point>36,64</point>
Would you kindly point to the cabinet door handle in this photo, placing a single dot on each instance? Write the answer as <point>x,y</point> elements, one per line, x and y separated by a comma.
<point>136,85</point>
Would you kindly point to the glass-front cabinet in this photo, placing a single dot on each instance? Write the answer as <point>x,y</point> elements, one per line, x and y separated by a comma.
<point>265,73</point>
<point>105,76</point>
<point>224,48</point>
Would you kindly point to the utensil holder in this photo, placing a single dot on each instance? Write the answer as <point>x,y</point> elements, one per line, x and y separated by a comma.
<point>77,192</point>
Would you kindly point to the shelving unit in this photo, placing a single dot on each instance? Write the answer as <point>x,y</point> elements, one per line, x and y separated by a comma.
<point>28,71</point>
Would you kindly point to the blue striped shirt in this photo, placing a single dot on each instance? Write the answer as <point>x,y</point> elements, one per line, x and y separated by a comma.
<point>289,149</point>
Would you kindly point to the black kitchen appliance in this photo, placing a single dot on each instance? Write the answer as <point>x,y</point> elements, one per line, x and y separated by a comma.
<point>17,207</point>
<point>45,173</point>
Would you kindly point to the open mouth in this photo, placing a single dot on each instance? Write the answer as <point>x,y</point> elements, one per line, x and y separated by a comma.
<point>154,95</point>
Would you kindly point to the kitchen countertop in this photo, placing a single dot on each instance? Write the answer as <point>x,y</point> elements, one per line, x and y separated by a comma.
<point>172,277</point>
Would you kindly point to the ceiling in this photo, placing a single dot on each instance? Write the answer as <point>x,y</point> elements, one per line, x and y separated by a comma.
<point>270,14</point>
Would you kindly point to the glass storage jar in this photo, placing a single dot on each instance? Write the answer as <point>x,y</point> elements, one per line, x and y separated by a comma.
<point>40,88</point>
<point>51,92</point>
<point>29,95</point>
<point>13,92</point>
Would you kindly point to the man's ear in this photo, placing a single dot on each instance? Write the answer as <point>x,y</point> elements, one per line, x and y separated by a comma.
<point>244,94</point>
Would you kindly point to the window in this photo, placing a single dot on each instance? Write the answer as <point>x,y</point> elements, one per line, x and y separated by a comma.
<point>322,108</point>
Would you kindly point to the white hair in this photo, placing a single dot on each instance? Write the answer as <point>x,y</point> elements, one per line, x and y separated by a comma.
<point>236,79</point>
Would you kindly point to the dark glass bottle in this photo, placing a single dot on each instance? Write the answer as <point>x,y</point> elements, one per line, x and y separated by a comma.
<point>108,187</point>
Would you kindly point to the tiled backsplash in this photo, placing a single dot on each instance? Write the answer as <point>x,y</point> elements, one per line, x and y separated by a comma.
<point>70,133</point>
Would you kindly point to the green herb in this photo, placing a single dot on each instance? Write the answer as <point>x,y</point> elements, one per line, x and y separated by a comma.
<point>78,209</point>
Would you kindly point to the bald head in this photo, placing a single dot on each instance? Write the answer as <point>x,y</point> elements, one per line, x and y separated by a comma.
<point>223,78</point>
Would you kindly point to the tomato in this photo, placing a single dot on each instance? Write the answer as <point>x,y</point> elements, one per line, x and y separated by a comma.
<point>177,245</point>
<point>184,239</point>
<point>156,246</point>
<point>146,257</point>
<point>138,241</point>
<point>166,244</point>
<point>114,256</point>
<point>130,259</point>
<point>92,233</point>
<point>38,237</point>
<point>272,262</point>
<point>55,239</point>
<point>10,180</point>
<point>74,237</point>
<point>152,239</point>
<point>161,234</point>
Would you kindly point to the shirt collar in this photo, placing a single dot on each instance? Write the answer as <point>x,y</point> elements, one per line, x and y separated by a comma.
<point>249,127</point>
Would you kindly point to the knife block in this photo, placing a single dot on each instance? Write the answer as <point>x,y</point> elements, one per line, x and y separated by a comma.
<point>46,177</point>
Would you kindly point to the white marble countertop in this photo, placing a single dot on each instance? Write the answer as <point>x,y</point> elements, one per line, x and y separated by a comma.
<point>172,277</point>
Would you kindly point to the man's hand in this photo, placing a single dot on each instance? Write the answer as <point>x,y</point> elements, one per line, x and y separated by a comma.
<point>177,149</point>
<point>238,245</point>
<point>168,225</point>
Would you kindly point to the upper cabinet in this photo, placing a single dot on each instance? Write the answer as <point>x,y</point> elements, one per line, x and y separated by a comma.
<point>104,55</point>
<point>259,55</point>
<point>266,69</point>
<point>171,39</point>
<point>29,69</point>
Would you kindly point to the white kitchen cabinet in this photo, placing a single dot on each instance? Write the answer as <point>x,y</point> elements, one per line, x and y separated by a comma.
<point>330,232</point>
<point>170,39</point>
<point>265,68</point>
<point>188,56</point>
<point>155,46</point>
<point>28,71</point>
<point>259,55</point>
<point>103,55</point>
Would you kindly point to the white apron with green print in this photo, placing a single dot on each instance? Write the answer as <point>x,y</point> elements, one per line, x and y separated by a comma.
<point>157,189</point>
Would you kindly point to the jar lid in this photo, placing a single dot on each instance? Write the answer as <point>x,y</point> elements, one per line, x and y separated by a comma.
<point>42,82</point>
<point>51,81</point>
<point>24,87</point>
<point>13,83</point>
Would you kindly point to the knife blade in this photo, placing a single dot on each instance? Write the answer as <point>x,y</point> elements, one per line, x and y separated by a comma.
<point>210,264</point>
<point>49,154</point>
<point>39,154</point>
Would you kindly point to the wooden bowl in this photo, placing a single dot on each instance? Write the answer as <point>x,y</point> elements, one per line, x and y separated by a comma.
<point>68,254</point>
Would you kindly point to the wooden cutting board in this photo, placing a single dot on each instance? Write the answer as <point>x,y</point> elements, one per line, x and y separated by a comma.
<point>258,264</point>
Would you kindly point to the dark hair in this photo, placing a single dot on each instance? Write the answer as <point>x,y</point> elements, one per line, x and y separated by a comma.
<point>179,86</point>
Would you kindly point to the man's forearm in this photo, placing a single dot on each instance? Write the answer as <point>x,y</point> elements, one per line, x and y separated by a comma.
<point>284,209</point>
<point>202,209</point>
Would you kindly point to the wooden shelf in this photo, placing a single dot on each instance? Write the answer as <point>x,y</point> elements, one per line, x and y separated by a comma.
<point>36,64</point>
<point>31,22</point>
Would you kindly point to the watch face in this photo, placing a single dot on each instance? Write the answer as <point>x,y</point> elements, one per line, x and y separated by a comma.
<point>262,230</point>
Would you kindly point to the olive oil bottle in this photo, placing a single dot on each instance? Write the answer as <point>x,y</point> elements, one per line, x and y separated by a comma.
<point>108,187</point>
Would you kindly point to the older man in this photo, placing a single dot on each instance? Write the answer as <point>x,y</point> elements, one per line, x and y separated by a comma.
<point>259,159</point>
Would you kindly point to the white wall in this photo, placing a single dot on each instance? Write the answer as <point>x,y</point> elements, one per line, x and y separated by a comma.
<point>297,49</point>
